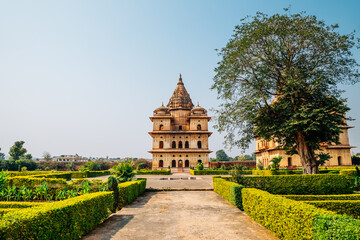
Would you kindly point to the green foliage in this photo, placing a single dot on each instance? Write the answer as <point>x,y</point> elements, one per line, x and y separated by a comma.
<point>260,165</point>
<point>70,166</point>
<point>3,180</point>
<point>199,166</point>
<point>323,197</point>
<point>275,162</point>
<point>229,191</point>
<point>315,184</point>
<point>296,60</point>
<point>68,219</point>
<point>153,172</point>
<point>289,219</point>
<point>97,165</point>
<point>112,185</point>
<point>17,151</point>
<point>128,191</point>
<point>348,207</point>
<point>333,227</point>
<point>355,160</point>
<point>221,155</point>
<point>123,171</point>
<point>16,165</point>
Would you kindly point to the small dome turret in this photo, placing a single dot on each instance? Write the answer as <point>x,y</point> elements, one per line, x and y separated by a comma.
<point>198,110</point>
<point>162,110</point>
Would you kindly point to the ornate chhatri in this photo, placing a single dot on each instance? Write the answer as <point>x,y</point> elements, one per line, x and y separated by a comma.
<point>180,132</point>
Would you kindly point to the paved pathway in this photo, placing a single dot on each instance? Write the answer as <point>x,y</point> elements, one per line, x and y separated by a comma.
<point>154,181</point>
<point>180,215</point>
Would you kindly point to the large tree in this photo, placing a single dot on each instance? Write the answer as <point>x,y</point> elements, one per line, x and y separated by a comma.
<point>278,79</point>
<point>17,151</point>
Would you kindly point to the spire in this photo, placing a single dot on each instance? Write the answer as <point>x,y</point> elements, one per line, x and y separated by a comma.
<point>180,98</point>
<point>180,80</point>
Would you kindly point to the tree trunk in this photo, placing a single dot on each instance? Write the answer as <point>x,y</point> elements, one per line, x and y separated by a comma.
<point>307,155</point>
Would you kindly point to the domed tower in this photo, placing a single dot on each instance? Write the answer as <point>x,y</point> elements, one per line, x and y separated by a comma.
<point>180,133</point>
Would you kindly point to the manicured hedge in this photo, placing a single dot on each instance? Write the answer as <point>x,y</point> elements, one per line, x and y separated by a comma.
<point>128,191</point>
<point>88,174</point>
<point>66,176</point>
<point>289,219</point>
<point>323,197</point>
<point>153,172</point>
<point>68,219</point>
<point>348,172</point>
<point>304,184</point>
<point>26,173</point>
<point>216,172</point>
<point>349,207</point>
<point>9,204</point>
<point>230,191</point>
<point>31,182</point>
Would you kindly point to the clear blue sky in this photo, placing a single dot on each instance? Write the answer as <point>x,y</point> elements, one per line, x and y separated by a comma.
<point>84,76</point>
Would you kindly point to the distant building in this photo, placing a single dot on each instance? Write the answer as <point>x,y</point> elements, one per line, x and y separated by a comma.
<point>180,133</point>
<point>340,153</point>
<point>71,158</point>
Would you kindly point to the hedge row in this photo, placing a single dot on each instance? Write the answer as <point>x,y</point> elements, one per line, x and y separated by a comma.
<point>304,184</point>
<point>348,172</point>
<point>68,219</point>
<point>66,176</point>
<point>153,172</point>
<point>32,182</point>
<point>128,191</point>
<point>26,173</point>
<point>216,172</point>
<point>20,204</point>
<point>88,174</point>
<point>323,197</point>
<point>349,207</point>
<point>229,191</point>
<point>289,219</point>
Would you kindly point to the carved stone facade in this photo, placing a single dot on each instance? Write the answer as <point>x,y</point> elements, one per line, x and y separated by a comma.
<point>340,154</point>
<point>180,133</point>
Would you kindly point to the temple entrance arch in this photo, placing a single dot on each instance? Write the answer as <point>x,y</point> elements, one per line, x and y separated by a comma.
<point>180,163</point>
<point>161,163</point>
<point>173,163</point>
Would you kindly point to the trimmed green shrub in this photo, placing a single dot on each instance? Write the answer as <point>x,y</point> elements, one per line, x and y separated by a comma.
<point>275,172</point>
<point>336,227</point>
<point>20,204</point>
<point>229,191</point>
<point>349,207</point>
<point>348,172</point>
<point>323,197</point>
<point>113,186</point>
<point>31,182</point>
<point>27,173</point>
<point>68,219</point>
<point>289,219</point>
<point>128,191</point>
<point>153,172</point>
<point>216,172</point>
<point>304,184</point>
<point>66,176</point>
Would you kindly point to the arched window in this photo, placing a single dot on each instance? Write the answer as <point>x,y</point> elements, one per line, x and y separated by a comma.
<point>180,127</point>
<point>161,144</point>
<point>173,145</point>
<point>173,163</point>
<point>199,144</point>
<point>339,160</point>
<point>180,144</point>
<point>289,161</point>
<point>161,127</point>
<point>187,164</point>
<point>180,163</point>
<point>198,127</point>
<point>161,163</point>
<point>187,144</point>
<point>199,161</point>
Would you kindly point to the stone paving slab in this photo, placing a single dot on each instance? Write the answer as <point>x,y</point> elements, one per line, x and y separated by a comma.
<point>180,215</point>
